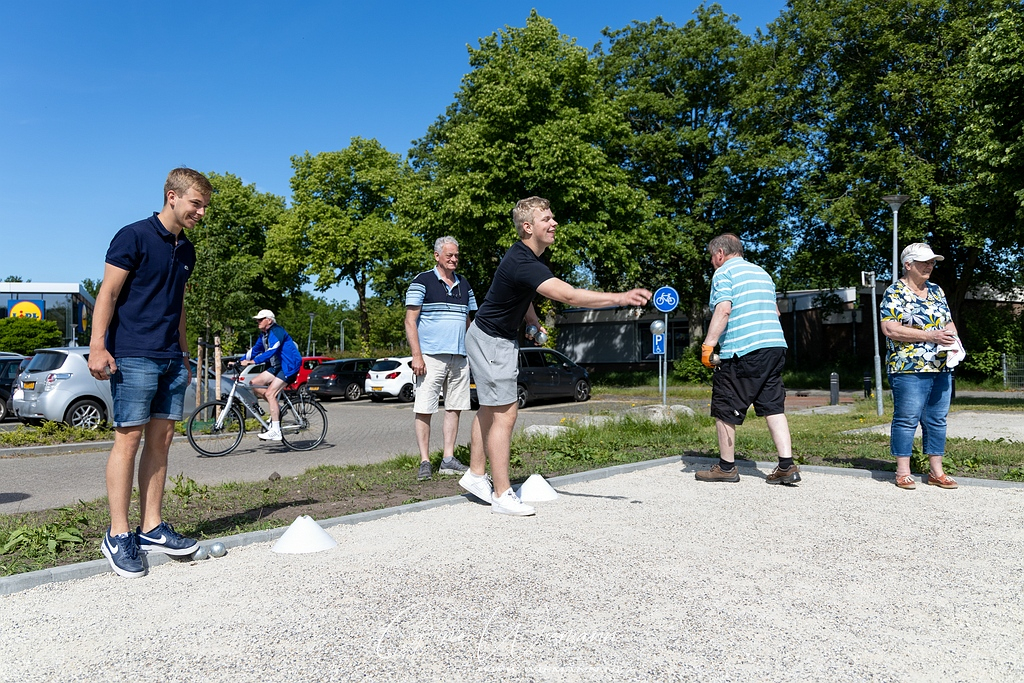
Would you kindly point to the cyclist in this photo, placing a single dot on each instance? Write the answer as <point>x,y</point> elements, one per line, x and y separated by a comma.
<point>276,348</point>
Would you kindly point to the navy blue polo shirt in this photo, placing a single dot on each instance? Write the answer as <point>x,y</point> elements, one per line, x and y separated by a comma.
<point>148,309</point>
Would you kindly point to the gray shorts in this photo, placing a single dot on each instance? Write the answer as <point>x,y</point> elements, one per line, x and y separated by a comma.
<point>495,365</point>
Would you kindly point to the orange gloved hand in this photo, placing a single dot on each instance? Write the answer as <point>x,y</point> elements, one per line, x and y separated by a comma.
<point>705,355</point>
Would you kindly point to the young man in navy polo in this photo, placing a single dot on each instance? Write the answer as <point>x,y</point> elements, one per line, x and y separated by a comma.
<point>138,343</point>
<point>437,308</point>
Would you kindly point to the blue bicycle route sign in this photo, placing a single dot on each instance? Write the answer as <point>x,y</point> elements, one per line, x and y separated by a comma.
<point>666,299</point>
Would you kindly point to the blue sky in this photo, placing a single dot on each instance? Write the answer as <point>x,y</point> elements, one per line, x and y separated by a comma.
<point>98,101</point>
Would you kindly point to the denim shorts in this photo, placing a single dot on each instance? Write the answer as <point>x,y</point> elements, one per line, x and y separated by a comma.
<point>148,388</point>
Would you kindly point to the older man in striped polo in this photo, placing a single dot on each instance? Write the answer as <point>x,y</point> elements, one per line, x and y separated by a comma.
<point>745,321</point>
<point>437,308</point>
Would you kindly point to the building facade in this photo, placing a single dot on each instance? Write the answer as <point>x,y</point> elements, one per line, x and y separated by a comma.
<point>67,304</point>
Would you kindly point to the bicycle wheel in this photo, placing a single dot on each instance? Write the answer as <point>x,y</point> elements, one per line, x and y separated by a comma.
<point>305,427</point>
<point>210,439</point>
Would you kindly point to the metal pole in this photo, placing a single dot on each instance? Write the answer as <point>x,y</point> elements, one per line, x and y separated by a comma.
<point>309,339</point>
<point>664,384</point>
<point>895,244</point>
<point>895,201</point>
<point>342,346</point>
<point>878,358</point>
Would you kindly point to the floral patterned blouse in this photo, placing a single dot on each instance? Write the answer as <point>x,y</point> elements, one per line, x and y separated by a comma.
<point>899,303</point>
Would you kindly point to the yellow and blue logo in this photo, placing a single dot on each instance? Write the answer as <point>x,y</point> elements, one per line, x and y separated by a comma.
<point>25,308</point>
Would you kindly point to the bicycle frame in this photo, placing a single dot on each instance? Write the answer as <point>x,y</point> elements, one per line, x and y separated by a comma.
<point>229,400</point>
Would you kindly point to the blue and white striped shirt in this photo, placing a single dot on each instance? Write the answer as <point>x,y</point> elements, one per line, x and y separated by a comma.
<point>441,326</point>
<point>754,320</point>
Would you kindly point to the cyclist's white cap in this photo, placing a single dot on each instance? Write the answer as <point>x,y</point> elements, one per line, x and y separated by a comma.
<point>265,313</point>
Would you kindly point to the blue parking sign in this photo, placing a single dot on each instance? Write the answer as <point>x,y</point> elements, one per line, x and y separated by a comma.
<point>659,345</point>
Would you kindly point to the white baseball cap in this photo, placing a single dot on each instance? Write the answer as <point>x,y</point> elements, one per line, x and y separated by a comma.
<point>919,251</point>
<point>265,313</point>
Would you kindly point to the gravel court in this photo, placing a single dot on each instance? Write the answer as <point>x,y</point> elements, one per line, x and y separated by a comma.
<point>647,575</point>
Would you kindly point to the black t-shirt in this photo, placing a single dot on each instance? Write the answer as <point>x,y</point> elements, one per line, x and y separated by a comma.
<point>515,283</point>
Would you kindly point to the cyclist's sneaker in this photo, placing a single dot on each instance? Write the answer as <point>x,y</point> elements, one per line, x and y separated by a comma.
<point>424,472</point>
<point>508,503</point>
<point>479,485</point>
<point>270,435</point>
<point>122,551</point>
<point>164,539</point>
<point>452,466</point>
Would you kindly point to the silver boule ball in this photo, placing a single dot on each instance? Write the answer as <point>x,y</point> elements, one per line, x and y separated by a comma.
<point>540,338</point>
<point>201,553</point>
<point>218,549</point>
<point>715,359</point>
<point>658,327</point>
<point>532,330</point>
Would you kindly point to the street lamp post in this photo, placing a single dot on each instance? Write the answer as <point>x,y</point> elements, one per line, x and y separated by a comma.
<point>895,201</point>
<point>867,279</point>
<point>309,339</point>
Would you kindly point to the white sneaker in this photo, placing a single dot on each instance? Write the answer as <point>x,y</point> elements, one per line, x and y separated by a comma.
<point>509,504</point>
<point>478,484</point>
<point>270,435</point>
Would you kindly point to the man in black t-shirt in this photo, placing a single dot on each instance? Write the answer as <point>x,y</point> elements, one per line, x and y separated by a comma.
<point>493,350</point>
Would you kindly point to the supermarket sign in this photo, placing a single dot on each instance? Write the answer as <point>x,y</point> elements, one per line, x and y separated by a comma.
<point>25,308</point>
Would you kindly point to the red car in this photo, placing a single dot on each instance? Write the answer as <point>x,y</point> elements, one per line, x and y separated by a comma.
<point>309,363</point>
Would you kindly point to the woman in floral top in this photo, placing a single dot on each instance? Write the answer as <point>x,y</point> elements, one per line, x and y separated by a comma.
<point>917,322</point>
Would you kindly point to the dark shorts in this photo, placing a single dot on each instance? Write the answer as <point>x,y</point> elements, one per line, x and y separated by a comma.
<point>755,378</point>
<point>279,373</point>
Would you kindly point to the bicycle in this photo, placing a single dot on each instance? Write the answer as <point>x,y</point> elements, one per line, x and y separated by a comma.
<point>217,427</point>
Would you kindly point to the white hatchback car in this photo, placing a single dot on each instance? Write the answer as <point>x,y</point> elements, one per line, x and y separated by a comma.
<point>391,377</point>
<point>56,386</point>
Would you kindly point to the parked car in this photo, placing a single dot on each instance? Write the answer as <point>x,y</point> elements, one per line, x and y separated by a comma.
<point>56,386</point>
<point>546,373</point>
<point>309,364</point>
<point>345,377</point>
<point>391,377</point>
<point>9,365</point>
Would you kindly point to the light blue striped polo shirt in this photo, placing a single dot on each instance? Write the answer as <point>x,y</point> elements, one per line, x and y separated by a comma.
<point>754,320</point>
<point>442,323</point>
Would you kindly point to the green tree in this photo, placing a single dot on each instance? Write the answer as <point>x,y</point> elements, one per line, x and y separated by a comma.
<point>994,139</point>
<point>855,101</point>
<point>530,119</point>
<point>92,286</point>
<point>15,278</point>
<point>677,88</point>
<point>25,335</point>
<point>232,278</point>
<point>343,225</point>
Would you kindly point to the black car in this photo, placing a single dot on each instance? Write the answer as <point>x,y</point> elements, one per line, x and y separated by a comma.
<point>343,377</point>
<point>10,364</point>
<point>545,373</point>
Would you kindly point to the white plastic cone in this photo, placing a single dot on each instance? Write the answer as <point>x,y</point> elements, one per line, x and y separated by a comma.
<point>304,536</point>
<point>536,489</point>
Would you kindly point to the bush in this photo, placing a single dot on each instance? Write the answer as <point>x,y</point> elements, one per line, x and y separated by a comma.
<point>689,369</point>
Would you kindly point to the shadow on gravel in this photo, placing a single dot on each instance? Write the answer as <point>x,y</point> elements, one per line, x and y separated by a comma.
<point>13,497</point>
